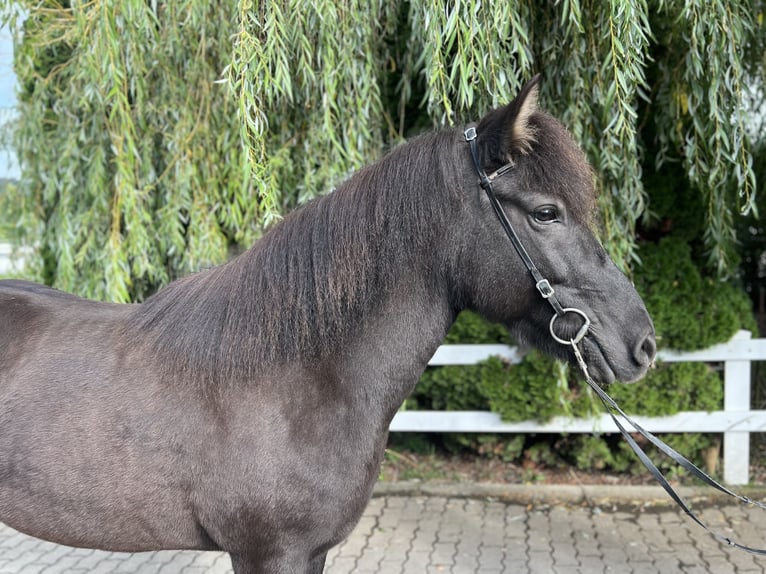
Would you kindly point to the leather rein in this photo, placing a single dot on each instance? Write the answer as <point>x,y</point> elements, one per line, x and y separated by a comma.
<point>546,292</point>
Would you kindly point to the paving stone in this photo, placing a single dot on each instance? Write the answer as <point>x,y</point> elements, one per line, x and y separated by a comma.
<point>614,555</point>
<point>540,562</point>
<point>490,556</point>
<point>720,565</point>
<point>644,568</point>
<point>636,551</point>
<point>342,565</point>
<point>591,565</point>
<point>86,561</point>
<point>416,535</point>
<point>443,553</point>
<point>744,562</point>
<point>564,555</point>
<point>417,561</point>
<point>667,562</point>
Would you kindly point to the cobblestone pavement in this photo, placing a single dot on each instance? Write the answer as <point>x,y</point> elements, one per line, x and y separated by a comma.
<point>438,534</point>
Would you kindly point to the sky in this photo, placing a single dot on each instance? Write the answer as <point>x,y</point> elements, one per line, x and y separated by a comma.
<point>8,167</point>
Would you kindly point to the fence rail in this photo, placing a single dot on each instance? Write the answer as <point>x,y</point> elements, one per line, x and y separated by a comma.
<point>736,421</point>
<point>8,262</point>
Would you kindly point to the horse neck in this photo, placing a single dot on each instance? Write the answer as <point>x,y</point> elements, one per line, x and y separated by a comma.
<point>330,269</point>
<point>391,349</point>
<point>352,278</point>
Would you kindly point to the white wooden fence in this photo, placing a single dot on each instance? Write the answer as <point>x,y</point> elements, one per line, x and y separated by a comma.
<point>736,421</point>
<point>9,263</point>
<point>5,258</point>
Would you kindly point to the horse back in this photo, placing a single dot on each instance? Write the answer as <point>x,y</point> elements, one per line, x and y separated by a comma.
<point>28,309</point>
<point>84,421</point>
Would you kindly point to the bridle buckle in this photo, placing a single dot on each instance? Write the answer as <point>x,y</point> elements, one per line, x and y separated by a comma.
<point>545,289</point>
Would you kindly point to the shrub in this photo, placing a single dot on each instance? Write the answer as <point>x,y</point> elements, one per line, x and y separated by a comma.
<point>530,390</point>
<point>689,311</point>
<point>671,388</point>
<point>456,388</point>
<point>470,328</point>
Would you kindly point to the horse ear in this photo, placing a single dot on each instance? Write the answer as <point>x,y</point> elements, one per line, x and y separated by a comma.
<point>507,131</point>
<point>522,134</point>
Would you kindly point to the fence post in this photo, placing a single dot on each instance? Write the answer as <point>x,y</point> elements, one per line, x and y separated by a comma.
<point>736,444</point>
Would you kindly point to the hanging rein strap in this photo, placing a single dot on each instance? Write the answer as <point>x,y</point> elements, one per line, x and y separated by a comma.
<point>545,289</point>
<point>614,411</point>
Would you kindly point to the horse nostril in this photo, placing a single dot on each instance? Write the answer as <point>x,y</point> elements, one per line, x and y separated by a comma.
<point>647,350</point>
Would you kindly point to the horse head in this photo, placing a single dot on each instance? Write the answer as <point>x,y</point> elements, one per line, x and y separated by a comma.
<point>545,188</point>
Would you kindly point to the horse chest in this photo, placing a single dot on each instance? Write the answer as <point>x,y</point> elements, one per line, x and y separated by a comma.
<point>276,469</point>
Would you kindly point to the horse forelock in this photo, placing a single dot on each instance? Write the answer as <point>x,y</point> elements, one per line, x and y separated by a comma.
<point>301,288</point>
<point>557,165</point>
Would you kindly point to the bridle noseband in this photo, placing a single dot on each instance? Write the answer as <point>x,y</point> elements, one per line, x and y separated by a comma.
<point>547,293</point>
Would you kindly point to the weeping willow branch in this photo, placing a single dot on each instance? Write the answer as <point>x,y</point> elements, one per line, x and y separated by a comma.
<point>715,152</point>
<point>473,56</point>
<point>157,137</point>
<point>621,79</point>
<point>119,115</point>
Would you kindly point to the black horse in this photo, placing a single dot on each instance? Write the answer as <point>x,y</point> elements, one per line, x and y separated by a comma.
<point>246,408</point>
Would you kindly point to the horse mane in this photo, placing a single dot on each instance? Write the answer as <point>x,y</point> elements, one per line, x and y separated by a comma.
<point>298,290</point>
<point>301,288</point>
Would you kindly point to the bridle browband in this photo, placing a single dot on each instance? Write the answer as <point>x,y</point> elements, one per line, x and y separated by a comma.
<point>614,410</point>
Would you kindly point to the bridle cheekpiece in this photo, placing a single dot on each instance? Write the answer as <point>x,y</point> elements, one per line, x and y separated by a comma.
<point>543,285</point>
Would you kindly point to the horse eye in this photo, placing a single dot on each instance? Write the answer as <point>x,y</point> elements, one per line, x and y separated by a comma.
<point>547,214</point>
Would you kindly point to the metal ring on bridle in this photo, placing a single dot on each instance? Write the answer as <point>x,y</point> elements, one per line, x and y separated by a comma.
<point>580,334</point>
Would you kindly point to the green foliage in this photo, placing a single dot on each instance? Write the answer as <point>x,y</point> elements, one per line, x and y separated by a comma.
<point>689,310</point>
<point>132,168</point>
<point>713,87</point>
<point>675,207</point>
<point>470,328</point>
<point>522,392</point>
<point>490,446</point>
<point>612,452</point>
<point>671,388</point>
<point>308,77</point>
<point>157,137</point>
<point>693,447</point>
<point>6,229</point>
<point>751,232</point>
<point>698,87</point>
<point>418,443</point>
<point>592,453</point>
<point>456,388</point>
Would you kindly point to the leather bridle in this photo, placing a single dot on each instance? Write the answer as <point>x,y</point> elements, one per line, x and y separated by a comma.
<point>547,292</point>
